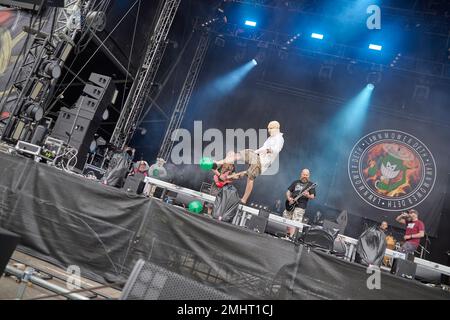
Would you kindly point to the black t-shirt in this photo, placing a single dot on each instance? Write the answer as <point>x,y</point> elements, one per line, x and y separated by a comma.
<point>296,187</point>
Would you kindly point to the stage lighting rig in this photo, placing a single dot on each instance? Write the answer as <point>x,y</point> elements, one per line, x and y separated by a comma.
<point>96,20</point>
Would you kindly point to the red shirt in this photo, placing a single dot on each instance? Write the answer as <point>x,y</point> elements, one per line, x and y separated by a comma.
<point>414,227</point>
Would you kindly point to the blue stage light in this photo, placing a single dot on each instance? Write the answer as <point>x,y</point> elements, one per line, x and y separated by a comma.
<point>317,36</point>
<point>375,47</point>
<point>370,86</point>
<point>250,23</point>
<point>254,62</point>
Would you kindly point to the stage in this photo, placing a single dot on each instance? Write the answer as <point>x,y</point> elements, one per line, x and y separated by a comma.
<point>67,220</point>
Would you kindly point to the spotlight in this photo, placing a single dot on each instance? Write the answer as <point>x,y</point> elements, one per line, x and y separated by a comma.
<point>254,62</point>
<point>375,47</point>
<point>34,111</point>
<point>370,86</point>
<point>317,36</point>
<point>250,23</point>
<point>51,69</point>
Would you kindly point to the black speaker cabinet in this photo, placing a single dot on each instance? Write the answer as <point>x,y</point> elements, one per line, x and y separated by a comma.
<point>8,243</point>
<point>319,237</point>
<point>404,268</point>
<point>151,282</point>
<point>135,184</point>
<point>257,223</point>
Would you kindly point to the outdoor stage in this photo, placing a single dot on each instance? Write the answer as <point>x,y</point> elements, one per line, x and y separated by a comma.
<point>68,220</point>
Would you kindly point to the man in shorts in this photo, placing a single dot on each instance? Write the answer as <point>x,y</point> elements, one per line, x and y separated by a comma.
<point>259,160</point>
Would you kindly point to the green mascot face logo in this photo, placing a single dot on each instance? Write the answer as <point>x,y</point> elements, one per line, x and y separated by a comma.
<point>391,170</point>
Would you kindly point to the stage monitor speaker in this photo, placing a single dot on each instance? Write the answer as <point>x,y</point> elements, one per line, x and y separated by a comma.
<point>257,223</point>
<point>276,229</point>
<point>404,268</point>
<point>319,237</point>
<point>264,213</point>
<point>8,243</point>
<point>151,282</point>
<point>135,183</point>
<point>427,276</point>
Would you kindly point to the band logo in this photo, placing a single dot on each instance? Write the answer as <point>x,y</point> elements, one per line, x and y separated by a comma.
<point>392,170</point>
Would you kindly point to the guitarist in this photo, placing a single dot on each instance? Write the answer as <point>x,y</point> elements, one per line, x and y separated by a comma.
<point>295,210</point>
<point>220,180</point>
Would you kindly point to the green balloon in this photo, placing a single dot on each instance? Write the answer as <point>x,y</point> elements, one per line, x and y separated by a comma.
<point>206,163</point>
<point>195,206</point>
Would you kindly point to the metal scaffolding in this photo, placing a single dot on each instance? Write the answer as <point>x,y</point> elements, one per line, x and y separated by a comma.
<point>185,96</point>
<point>35,78</point>
<point>137,98</point>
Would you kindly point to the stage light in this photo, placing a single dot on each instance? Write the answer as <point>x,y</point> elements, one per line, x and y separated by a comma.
<point>317,36</point>
<point>370,86</point>
<point>254,62</point>
<point>375,47</point>
<point>250,23</point>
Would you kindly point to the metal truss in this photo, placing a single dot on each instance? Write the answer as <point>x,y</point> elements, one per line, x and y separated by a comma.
<point>142,85</point>
<point>31,82</point>
<point>430,15</point>
<point>185,96</point>
<point>333,51</point>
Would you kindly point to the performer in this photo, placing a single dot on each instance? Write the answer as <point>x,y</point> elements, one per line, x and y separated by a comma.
<point>157,171</point>
<point>415,230</point>
<point>140,167</point>
<point>259,160</point>
<point>220,180</point>
<point>384,226</point>
<point>297,213</point>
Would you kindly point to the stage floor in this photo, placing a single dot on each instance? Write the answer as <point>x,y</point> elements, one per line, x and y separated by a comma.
<point>9,286</point>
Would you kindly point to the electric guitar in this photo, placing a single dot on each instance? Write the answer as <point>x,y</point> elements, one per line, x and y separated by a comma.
<point>291,206</point>
<point>222,180</point>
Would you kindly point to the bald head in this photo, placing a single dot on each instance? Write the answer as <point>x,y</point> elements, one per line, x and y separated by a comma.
<point>304,175</point>
<point>273,127</point>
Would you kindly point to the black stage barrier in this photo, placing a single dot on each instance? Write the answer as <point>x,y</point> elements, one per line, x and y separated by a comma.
<point>69,220</point>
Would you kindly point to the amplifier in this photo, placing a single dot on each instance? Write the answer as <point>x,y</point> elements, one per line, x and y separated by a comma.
<point>404,268</point>
<point>135,184</point>
<point>257,223</point>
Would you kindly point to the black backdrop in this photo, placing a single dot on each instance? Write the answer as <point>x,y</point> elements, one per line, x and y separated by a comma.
<point>309,111</point>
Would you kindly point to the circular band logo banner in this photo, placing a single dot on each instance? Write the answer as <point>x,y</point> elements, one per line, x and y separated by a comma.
<point>391,170</point>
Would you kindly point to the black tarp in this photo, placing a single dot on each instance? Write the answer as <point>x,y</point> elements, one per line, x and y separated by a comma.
<point>69,220</point>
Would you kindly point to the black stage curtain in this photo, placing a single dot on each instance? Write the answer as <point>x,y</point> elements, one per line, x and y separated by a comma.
<point>68,220</point>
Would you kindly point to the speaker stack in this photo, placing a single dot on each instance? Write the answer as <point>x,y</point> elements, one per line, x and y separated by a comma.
<point>77,126</point>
